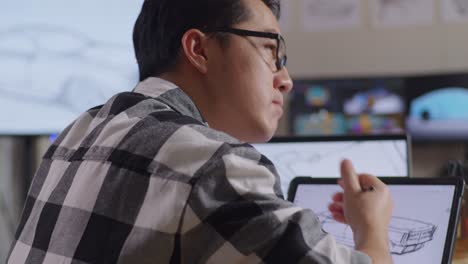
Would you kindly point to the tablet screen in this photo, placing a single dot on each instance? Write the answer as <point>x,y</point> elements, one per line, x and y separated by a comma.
<point>419,226</point>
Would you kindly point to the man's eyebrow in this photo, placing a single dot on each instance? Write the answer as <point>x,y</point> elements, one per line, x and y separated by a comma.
<point>270,30</point>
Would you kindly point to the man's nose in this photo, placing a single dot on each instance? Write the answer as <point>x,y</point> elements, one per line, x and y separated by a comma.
<point>283,81</point>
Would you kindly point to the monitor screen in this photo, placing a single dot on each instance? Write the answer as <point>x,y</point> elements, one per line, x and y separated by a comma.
<point>321,157</point>
<point>60,58</point>
<point>348,106</point>
<point>419,227</point>
<point>438,107</point>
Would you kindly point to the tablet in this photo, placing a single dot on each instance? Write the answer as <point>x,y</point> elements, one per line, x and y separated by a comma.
<point>424,220</point>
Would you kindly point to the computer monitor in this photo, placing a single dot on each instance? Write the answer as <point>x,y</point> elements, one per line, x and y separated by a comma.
<point>60,58</point>
<point>437,107</point>
<point>347,106</point>
<point>383,156</point>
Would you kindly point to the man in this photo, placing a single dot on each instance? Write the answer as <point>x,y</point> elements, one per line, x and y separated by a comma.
<point>163,174</point>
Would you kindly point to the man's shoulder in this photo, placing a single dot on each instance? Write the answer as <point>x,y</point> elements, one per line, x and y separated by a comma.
<point>136,124</point>
<point>182,144</point>
<point>154,123</point>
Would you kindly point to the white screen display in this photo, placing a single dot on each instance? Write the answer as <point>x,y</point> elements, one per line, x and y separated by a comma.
<point>60,58</point>
<point>419,224</point>
<point>382,158</point>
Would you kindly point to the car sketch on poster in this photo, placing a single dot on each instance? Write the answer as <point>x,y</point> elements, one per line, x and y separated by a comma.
<point>57,62</point>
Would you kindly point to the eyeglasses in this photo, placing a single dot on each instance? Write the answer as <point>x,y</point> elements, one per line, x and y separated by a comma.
<point>280,50</point>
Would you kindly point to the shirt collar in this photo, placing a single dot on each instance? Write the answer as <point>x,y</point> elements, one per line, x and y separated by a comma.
<point>168,93</point>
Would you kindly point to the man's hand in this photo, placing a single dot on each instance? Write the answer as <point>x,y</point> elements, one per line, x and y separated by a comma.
<point>365,204</point>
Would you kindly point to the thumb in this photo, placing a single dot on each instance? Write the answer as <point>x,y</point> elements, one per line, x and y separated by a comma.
<point>349,177</point>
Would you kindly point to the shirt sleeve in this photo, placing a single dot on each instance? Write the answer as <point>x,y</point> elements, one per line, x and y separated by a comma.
<point>236,212</point>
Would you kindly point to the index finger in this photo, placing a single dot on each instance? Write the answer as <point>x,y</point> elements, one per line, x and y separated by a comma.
<point>349,177</point>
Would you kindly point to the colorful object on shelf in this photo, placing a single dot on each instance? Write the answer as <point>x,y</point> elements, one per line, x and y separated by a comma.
<point>317,96</point>
<point>442,104</point>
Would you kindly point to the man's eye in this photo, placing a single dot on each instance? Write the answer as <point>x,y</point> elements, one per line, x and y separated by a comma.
<point>271,49</point>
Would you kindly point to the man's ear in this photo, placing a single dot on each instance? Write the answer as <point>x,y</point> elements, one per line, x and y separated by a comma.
<point>194,45</point>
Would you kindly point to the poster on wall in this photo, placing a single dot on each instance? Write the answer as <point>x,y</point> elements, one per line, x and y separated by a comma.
<point>326,15</point>
<point>389,13</point>
<point>60,58</point>
<point>354,106</point>
<point>454,10</point>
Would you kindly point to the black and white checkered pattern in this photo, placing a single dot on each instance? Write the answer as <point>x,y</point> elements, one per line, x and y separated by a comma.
<point>143,179</point>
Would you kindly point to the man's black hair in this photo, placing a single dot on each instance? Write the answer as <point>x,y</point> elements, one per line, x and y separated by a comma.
<point>162,23</point>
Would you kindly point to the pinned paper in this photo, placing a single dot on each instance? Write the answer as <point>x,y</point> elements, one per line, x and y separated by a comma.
<point>403,12</point>
<point>454,10</point>
<point>324,15</point>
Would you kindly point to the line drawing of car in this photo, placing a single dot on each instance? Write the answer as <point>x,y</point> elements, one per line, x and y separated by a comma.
<point>52,65</point>
<point>291,163</point>
<point>406,235</point>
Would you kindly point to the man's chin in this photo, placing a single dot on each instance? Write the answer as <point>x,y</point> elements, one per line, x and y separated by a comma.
<point>259,132</point>
<point>267,134</point>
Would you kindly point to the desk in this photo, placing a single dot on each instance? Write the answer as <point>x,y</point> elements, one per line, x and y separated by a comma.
<point>461,252</point>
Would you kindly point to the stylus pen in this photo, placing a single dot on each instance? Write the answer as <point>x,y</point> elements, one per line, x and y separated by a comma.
<point>368,189</point>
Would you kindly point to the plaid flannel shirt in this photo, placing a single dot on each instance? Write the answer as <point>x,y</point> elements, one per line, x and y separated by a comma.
<point>143,179</point>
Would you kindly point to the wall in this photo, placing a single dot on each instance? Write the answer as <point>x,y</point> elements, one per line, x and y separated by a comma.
<point>370,50</point>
